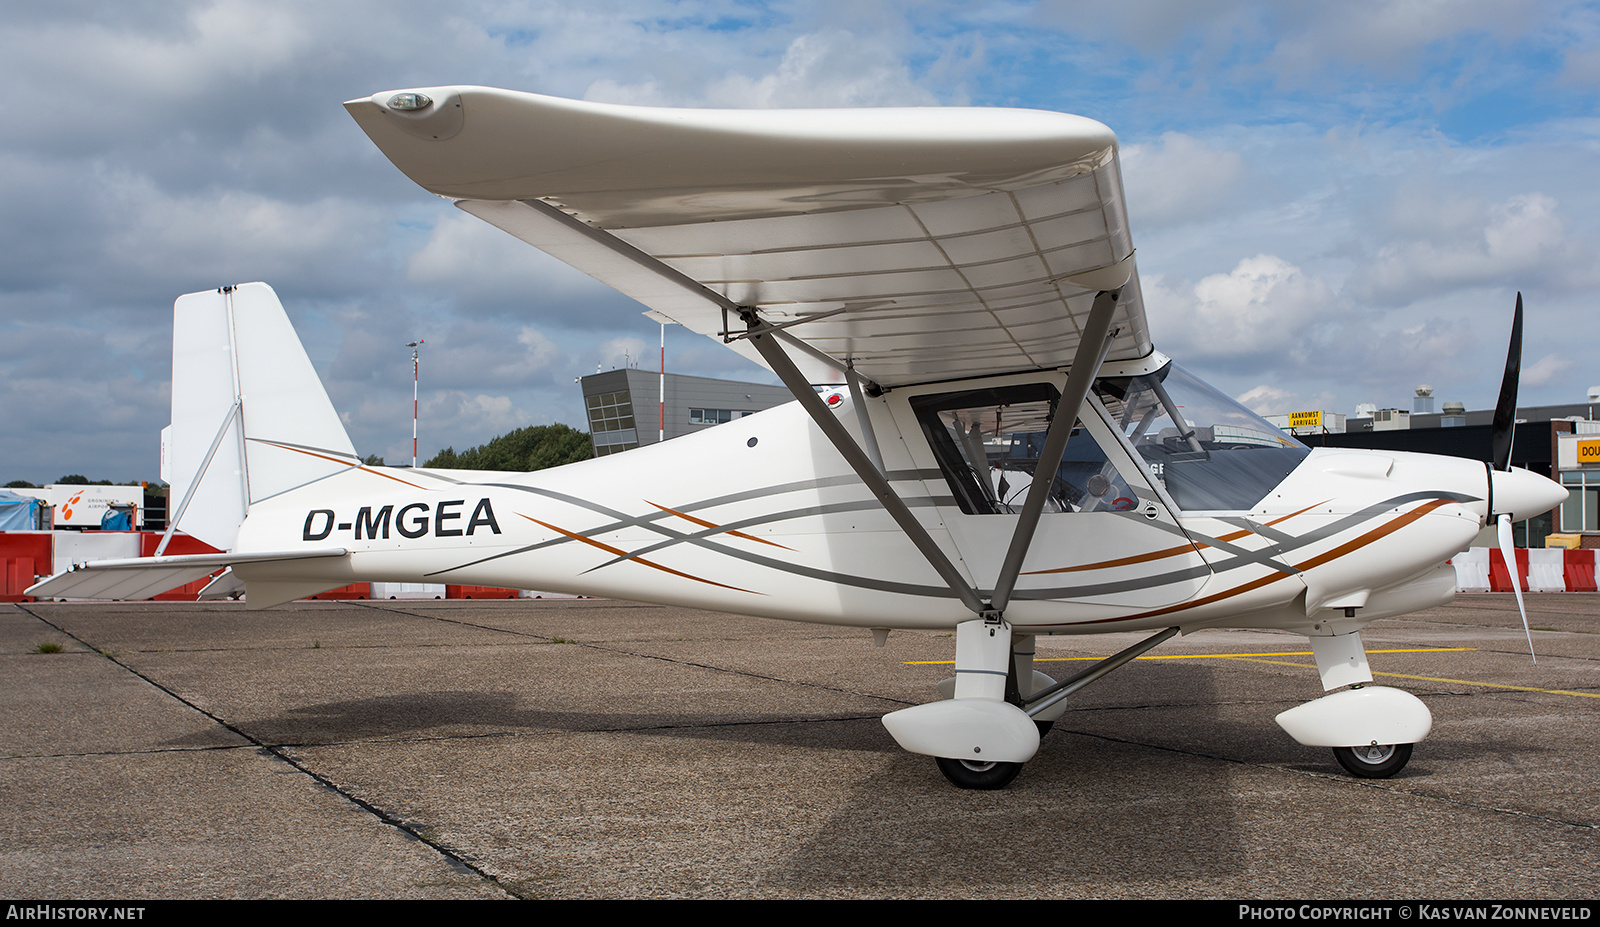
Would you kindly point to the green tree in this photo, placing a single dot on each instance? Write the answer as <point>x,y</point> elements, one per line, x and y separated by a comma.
<point>533,448</point>
<point>20,484</point>
<point>73,479</point>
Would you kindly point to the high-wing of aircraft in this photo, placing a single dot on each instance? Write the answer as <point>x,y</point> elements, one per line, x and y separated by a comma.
<point>985,438</point>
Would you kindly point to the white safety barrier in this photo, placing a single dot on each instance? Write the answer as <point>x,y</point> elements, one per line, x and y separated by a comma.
<point>1546,572</point>
<point>408,590</point>
<point>69,547</point>
<point>1472,570</point>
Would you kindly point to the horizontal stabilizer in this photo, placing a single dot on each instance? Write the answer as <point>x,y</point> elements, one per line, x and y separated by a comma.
<point>143,577</point>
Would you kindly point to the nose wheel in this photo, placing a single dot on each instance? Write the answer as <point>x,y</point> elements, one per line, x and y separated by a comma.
<point>971,774</point>
<point>1374,761</point>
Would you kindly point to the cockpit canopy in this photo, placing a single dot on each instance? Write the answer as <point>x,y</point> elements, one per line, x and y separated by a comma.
<point>1210,452</point>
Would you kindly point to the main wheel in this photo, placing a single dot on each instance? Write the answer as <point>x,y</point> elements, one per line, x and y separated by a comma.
<point>1375,761</point>
<point>970,774</point>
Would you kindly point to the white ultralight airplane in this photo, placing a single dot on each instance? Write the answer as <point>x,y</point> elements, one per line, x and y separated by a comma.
<point>998,448</point>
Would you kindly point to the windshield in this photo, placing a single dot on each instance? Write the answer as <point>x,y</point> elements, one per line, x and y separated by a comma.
<point>1210,452</point>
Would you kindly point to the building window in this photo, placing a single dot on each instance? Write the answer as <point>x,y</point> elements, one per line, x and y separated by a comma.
<point>1581,511</point>
<point>610,411</point>
<point>611,422</point>
<point>716,416</point>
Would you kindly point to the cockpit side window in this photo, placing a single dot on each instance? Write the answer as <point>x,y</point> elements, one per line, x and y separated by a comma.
<point>988,441</point>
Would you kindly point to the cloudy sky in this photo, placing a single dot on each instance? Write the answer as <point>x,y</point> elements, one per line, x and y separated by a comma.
<point>1332,202</point>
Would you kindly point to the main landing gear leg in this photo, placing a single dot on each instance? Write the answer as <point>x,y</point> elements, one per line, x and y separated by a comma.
<point>978,738</point>
<point>985,655</point>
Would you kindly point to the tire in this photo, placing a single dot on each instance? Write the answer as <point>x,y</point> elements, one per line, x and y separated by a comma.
<point>1379,761</point>
<point>1044,726</point>
<point>966,774</point>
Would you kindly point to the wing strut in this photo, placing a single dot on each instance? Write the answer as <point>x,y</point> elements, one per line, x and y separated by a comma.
<point>1091,353</point>
<point>765,341</point>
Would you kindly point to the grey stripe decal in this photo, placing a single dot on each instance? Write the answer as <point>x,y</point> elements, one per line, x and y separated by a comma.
<point>1241,557</point>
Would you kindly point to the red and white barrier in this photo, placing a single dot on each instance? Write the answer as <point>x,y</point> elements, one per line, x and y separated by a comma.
<point>1483,569</point>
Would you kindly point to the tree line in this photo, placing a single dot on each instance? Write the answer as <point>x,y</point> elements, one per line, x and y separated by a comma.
<point>533,448</point>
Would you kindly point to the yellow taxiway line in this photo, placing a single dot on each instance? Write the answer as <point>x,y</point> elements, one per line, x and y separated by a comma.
<point>1205,656</point>
<point>1257,658</point>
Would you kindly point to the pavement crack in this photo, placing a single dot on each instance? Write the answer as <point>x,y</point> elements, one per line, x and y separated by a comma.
<point>456,860</point>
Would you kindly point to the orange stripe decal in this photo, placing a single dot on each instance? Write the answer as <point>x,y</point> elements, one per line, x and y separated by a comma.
<point>1121,561</point>
<point>706,524</point>
<point>353,466</point>
<point>1348,547</point>
<point>1284,518</point>
<point>622,553</point>
<point>1163,554</point>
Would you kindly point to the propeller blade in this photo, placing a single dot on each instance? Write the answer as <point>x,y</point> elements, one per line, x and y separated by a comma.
<point>1505,411</point>
<point>1509,551</point>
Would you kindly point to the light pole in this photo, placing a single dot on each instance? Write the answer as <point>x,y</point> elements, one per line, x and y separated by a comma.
<point>413,345</point>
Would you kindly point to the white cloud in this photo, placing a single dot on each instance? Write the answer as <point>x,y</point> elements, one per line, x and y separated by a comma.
<point>473,414</point>
<point>618,353</point>
<point>231,236</point>
<point>1181,180</point>
<point>1267,399</point>
<point>1391,36</point>
<point>477,263</point>
<point>539,352</point>
<point>1544,370</point>
<point>1522,237</point>
<point>1262,310</point>
<point>823,69</point>
<point>833,68</point>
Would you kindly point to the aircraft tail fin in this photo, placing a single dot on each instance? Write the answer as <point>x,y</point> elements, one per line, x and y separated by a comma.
<point>250,418</point>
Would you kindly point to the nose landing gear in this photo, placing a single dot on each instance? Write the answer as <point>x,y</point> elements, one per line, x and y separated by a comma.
<point>968,774</point>
<point>1374,761</point>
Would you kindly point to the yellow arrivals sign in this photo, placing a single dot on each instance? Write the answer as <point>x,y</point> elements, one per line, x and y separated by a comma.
<point>1305,419</point>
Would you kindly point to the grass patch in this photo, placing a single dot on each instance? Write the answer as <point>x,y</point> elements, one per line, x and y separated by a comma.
<point>47,647</point>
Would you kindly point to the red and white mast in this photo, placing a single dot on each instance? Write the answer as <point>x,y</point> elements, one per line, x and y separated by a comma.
<point>413,346</point>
